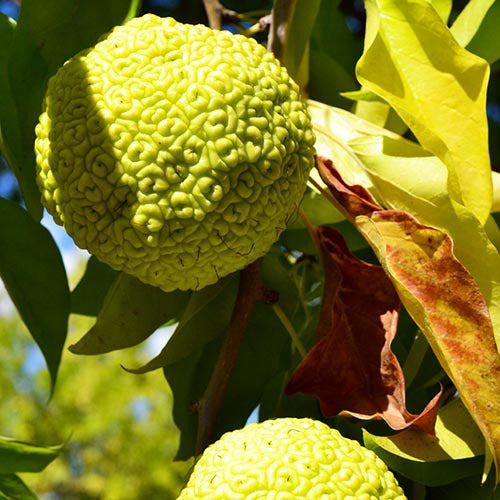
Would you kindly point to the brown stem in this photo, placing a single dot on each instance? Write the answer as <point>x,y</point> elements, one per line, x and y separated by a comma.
<point>216,13</point>
<point>249,292</point>
<point>281,19</point>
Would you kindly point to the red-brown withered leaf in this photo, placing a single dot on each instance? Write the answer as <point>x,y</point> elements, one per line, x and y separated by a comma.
<point>351,368</point>
<point>350,200</point>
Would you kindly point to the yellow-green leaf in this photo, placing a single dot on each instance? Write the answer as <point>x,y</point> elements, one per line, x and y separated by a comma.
<point>443,8</point>
<point>408,178</point>
<point>444,300</point>
<point>438,88</point>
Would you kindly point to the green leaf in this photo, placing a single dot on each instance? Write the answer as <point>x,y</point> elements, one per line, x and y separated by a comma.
<point>7,26</point>
<point>88,296</point>
<point>486,42</point>
<point>47,34</point>
<point>427,473</point>
<point>16,456</point>
<point>318,210</point>
<point>205,318</point>
<point>188,379</point>
<point>33,272</point>
<point>432,82</point>
<point>13,488</point>
<point>10,139</point>
<point>333,55</point>
<point>496,192</point>
<point>467,23</point>
<point>296,57</point>
<point>131,312</point>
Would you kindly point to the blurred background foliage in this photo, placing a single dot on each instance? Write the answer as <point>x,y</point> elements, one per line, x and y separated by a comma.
<point>119,436</point>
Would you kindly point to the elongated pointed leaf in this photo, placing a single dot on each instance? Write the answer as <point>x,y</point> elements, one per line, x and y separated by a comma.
<point>432,473</point>
<point>296,51</point>
<point>441,296</point>
<point>13,488</point>
<point>131,312</point>
<point>16,456</point>
<point>33,272</point>
<point>413,61</point>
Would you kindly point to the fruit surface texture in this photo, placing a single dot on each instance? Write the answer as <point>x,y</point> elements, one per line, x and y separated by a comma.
<point>290,459</point>
<point>173,152</point>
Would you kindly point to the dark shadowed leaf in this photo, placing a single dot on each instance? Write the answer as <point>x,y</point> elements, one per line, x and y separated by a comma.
<point>88,296</point>
<point>205,317</point>
<point>351,368</point>
<point>296,54</point>
<point>33,272</point>
<point>131,312</point>
<point>333,55</point>
<point>188,379</point>
<point>13,488</point>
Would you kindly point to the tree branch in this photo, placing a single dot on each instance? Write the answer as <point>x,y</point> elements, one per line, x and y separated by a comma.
<point>249,292</point>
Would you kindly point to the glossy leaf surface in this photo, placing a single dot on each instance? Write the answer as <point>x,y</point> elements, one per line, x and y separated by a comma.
<point>412,60</point>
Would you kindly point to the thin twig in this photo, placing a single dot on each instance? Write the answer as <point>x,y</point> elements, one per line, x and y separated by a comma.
<point>216,13</point>
<point>213,9</point>
<point>249,292</point>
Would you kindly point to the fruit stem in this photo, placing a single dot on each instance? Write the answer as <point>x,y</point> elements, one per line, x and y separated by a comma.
<point>249,292</point>
<point>281,20</point>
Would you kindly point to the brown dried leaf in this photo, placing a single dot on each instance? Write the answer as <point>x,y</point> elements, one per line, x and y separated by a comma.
<point>351,368</point>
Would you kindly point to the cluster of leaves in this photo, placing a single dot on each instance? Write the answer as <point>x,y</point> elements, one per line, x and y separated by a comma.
<point>384,295</point>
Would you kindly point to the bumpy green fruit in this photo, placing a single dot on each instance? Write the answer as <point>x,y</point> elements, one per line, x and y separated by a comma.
<point>290,459</point>
<point>173,152</point>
